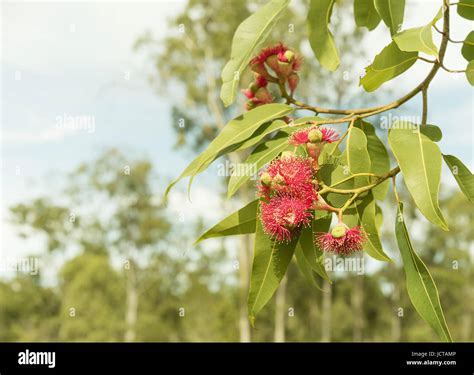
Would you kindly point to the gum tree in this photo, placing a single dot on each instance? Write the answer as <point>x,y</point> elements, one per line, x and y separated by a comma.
<point>319,186</point>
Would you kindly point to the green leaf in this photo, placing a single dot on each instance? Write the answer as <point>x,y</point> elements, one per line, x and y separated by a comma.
<point>467,49</point>
<point>363,213</point>
<point>247,38</point>
<point>365,14</point>
<point>379,160</point>
<point>331,174</point>
<point>320,38</point>
<point>271,259</point>
<point>242,221</point>
<point>462,174</point>
<point>358,159</point>
<point>313,254</point>
<point>236,131</point>
<point>420,285</point>
<point>261,133</point>
<point>391,12</point>
<point>262,154</point>
<point>470,72</point>
<point>419,159</point>
<point>432,132</point>
<point>304,267</point>
<point>418,39</point>
<point>388,64</point>
<point>466,9</point>
<point>378,217</point>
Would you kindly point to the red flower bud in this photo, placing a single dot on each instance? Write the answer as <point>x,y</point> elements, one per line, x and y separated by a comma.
<point>293,80</point>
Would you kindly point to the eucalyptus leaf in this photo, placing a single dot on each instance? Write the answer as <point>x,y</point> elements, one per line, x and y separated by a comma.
<point>467,49</point>
<point>470,72</point>
<point>420,285</point>
<point>419,39</point>
<point>358,159</point>
<point>419,159</point>
<point>271,259</point>
<point>242,221</point>
<point>379,159</point>
<point>247,38</point>
<point>236,131</point>
<point>313,254</point>
<point>462,174</point>
<point>466,9</point>
<point>388,64</point>
<point>320,38</point>
<point>392,12</point>
<point>365,14</point>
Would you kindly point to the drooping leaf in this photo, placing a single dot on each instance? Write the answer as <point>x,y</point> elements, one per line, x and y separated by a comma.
<point>363,213</point>
<point>320,38</point>
<point>470,72</point>
<point>236,131</point>
<point>432,132</point>
<point>304,267</point>
<point>419,159</point>
<point>462,174</point>
<point>466,9</point>
<point>388,64</point>
<point>467,49</point>
<point>247,38</point>
<point>263,154</point>
<point>418,39</point>
<point>242,221</point>
<point>332,174</point>
<point>378,217</point>
<point>379,160</point>
<point>392,12</point>
<point>420,285</point>
<point>314,256</point>
<point>358,159</point>
<point>365,14</point>
<point>261,133</point>
<point>271,259</point>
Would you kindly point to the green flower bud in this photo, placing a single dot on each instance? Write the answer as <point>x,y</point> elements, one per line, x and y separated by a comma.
<point>287,154</point>
<point>315,136</point>
<point>339,231</point>
<point>266,179</point>
<point>289,55</point>
<point>279,179</point>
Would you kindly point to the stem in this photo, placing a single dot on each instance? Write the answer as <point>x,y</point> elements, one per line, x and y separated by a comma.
<point>424,114</point>
<point>366,112</point>
<point>394,182</point>
<point>354,176</point>
<point>378,181</point>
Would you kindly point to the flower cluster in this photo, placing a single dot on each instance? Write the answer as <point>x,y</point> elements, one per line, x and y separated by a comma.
<point>273,64</point>
<point>288,187</point>
<point>287,193</point>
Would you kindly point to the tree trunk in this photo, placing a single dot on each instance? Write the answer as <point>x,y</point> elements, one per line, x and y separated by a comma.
<point>357,297</point>
<point>280,311</point>
<point>326,312</point>
<point>396,319</point>
<point>131,312</point>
